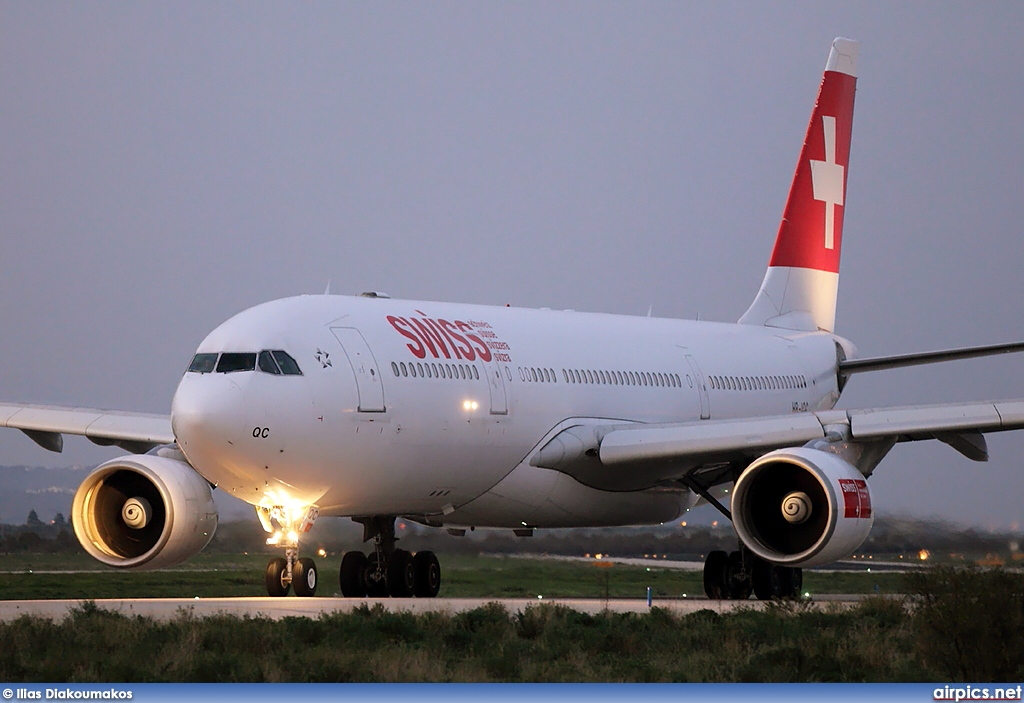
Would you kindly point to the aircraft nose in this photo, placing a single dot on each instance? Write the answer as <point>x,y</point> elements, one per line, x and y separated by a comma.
<point>207,416</point>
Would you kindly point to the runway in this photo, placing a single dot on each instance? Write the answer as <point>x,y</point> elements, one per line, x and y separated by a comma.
<point>277,608</point>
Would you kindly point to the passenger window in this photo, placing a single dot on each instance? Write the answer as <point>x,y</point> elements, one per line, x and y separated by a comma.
<point>286,363</point>
<point>419,367</point>
<point>436,374</point>
<point>533,372</point>
<point>236,361</point>
<point>394,366</point>
<point>462,372</point>
<point>203,363</point>
<point>404,371</point>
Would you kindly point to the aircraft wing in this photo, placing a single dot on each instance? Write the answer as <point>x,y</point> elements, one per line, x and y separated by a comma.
<point>46,425</point>
<point>634,456</point>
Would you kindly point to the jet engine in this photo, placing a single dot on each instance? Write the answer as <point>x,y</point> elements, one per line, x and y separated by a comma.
<point>144,512</point>
<point>802,507</point>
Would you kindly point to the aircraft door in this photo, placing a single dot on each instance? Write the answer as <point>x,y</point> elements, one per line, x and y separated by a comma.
<point>496,387</point>
<point>364,366</point>
<point>702,387</point>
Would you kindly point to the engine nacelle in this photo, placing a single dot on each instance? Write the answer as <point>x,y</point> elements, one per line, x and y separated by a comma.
<point>802,507</point>
<point>144,512</point>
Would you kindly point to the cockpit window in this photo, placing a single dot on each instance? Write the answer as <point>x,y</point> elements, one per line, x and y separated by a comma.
<point>287,363</point>
<point>236,361</point>
<point>267,364</point>
<point>203,363</point>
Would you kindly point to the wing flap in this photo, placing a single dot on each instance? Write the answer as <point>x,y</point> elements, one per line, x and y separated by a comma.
<point>708,439</point>
<point>927,421</point>
<point>128,429</point>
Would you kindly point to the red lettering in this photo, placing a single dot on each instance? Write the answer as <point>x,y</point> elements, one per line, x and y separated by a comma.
<point>481,349</point>
<point>418,351</point>
<point>851,497</point>
<point>459,343</point>
<point>865,498</point>
<point>438,332</point>
<point>429,338</point>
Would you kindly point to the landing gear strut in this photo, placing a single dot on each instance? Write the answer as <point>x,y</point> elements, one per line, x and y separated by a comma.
<point>286,524</point>
<point>387,570</point>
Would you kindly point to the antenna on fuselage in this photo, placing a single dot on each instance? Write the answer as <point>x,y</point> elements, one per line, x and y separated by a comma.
<point>327,290</point>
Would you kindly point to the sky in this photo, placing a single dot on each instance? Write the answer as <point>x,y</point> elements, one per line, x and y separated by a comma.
<point>165,166</point>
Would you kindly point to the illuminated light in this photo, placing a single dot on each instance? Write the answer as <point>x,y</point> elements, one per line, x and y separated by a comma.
<point>469,405</point>
<point>293,536</point>
<point>401,525</point>
<point>274,538</point>
<point>540,597</point>
<point>714,523</point>
<point>598,555</point>
<point>683,523</point>
<point>807,594</point>
<point>923,555</point>
<point>322,552</point>
<point>648,568</point>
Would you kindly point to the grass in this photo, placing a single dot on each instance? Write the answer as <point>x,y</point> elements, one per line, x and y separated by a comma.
<point>219,575</point>
<point>955,624</point>
<point>872,642</point>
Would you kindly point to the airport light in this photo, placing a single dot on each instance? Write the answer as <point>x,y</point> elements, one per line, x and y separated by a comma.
<point>923,555</point>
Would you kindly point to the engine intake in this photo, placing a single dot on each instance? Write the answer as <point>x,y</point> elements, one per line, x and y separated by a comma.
<point>802,507</point>
<point>144,512</point>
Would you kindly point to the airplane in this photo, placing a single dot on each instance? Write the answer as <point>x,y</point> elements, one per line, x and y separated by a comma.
<point>462,416</point>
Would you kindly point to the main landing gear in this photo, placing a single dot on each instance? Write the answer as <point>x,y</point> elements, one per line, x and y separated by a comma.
<point>290,571</point>
<point>736,575</point>
<point>388,571</point>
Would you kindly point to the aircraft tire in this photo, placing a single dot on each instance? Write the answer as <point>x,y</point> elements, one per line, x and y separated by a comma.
<point>401,574</point>
<point>714,574</point>
<point>764,578</point>
<point>352,576</point>
<point>304,577</point>
<point>428,574</point>
<point>276,571</point>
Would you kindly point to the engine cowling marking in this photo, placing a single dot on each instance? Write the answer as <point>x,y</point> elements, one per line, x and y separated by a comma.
<point>856,498</point>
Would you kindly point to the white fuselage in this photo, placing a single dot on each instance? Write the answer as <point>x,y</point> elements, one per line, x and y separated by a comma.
<point>432,410</point>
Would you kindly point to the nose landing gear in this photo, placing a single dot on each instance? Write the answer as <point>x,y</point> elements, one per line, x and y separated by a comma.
<point>286,524</point>
<point>388,571</point>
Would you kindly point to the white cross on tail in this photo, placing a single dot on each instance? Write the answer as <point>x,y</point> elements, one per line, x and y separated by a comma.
<point>827,180</point>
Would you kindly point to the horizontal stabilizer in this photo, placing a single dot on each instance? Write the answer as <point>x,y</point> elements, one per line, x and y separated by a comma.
<point>881,363</point>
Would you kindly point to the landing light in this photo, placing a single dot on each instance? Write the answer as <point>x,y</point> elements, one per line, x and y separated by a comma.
<point>469,405</point>
<point>322,552</point>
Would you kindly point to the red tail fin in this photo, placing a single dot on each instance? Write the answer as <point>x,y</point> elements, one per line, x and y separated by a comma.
<point>811,233</point>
